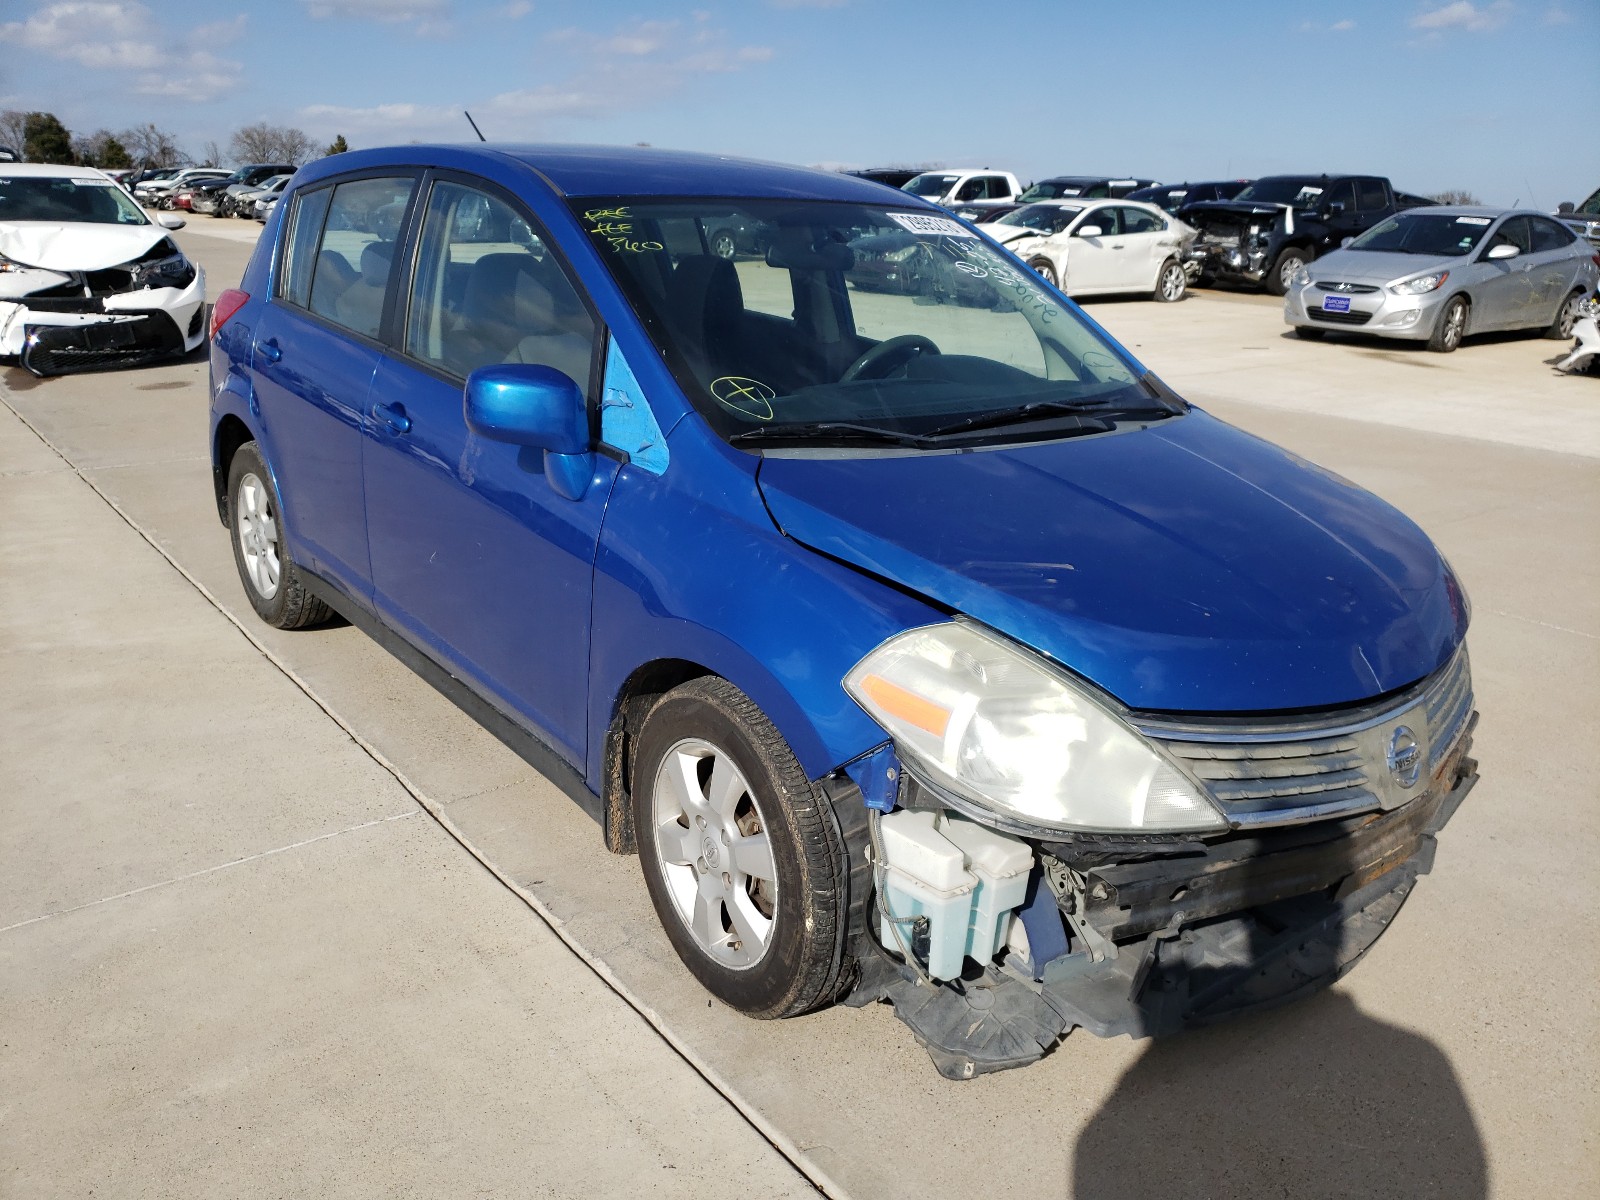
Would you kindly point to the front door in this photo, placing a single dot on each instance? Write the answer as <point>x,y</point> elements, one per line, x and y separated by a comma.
<point>1509,290</point>
<point>475,556</point>
<point>1096,263</point>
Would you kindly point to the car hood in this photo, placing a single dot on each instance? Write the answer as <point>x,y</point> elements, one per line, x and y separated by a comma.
<point>1182,567</point>
<point>1201,211</point>
<point>80,247</point>
<point>1370,266</point>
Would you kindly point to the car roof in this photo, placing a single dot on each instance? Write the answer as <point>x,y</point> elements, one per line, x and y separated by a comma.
<point>1467,210</point>
<point>586,170</point>
<point>54,171</point>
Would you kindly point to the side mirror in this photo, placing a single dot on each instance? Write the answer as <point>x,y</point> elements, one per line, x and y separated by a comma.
<point>170,221</point>
<point>1343,242</point>
<point>1336,209</point>
<point>1088,231</point>
<point>1503,251</point>
<point>538,407</point>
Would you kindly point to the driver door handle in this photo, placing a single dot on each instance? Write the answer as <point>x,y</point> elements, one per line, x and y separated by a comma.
<point>270,350</point>
<point>394,416</point>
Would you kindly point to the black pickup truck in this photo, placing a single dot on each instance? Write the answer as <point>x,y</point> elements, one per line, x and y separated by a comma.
<point>1281,222</point>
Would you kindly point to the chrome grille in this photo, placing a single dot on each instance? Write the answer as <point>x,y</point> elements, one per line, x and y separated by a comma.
<point>1309,769</point>
<point>1348,289</point>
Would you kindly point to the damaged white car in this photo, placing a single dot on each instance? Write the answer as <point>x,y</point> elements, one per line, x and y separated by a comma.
<point>86,279</point>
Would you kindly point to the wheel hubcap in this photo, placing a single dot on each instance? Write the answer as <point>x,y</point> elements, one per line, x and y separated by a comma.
<point>1172,283</point>
<point>716,858</point>
<point>1569,317</point>
<point>1457,318</point>
<point>257,528</point>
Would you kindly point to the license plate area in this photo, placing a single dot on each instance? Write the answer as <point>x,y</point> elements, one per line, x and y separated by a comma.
<point>1340,304</point>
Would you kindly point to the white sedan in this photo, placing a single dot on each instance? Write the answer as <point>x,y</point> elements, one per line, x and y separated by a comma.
<point>1095,247</point>
<point>86,279</point>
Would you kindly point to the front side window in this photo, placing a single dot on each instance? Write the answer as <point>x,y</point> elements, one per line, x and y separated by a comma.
<point>488,290</point>
<point>355,258</point>
<point>1107,219</point>
<point>1370,195</point>
<point>899,328</point>
<point>1513,233</point>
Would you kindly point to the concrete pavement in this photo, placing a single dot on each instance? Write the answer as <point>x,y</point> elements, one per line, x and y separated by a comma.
<point>1456,1061</point>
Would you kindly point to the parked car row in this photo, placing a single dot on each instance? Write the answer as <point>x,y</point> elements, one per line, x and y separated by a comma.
<point>1346,251</point>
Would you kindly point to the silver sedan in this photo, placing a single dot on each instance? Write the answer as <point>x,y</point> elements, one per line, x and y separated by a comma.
<point>1440,274</point>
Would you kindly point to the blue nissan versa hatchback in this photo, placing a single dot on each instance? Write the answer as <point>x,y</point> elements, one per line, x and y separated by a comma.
<point>925,646</point>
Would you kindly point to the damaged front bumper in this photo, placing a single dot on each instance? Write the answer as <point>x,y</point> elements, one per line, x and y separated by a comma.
<point>1183,935</point>
<point>53,333</point>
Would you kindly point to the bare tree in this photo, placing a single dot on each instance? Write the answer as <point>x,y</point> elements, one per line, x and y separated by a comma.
<point>12,121</point>
<point>101,149</point>
<point>261,143</point>
<point>211,155</point>
<point>151,147</point>
<point>1455,196</point>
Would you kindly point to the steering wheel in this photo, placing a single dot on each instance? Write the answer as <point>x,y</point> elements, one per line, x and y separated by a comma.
<point>906,344</point>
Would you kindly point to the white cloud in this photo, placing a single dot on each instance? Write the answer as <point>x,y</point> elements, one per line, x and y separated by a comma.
<point>1342,26</point>
<point>1463,14</point>
<point>1318,27</point>
<point>516,10</point>
<point>1556,15</point>
<point>624,70</point>
<point>807,3</point>
<point>126,37</point>
<point>378,10</point>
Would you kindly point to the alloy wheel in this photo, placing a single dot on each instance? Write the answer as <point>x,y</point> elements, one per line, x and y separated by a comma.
<point>716,859</point>
<point>256,527</point>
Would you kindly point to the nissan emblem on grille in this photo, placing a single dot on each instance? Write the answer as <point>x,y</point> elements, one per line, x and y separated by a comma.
<point>1405,757</point>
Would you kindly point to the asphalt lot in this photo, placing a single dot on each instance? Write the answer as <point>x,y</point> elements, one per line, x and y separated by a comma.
<point>242,951</point>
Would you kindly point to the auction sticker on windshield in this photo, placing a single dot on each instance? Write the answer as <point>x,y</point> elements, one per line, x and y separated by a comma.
<point>1472,220</point>
<point>917,223</point>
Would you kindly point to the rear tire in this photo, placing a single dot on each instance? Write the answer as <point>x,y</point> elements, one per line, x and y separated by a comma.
<point>1452,326</point>
<point>723,245</point>
<point>1290,259</point>
<point>1566,317</point>
<point>271,579</point>
<point>742,854</point>
<point>1172,282</point>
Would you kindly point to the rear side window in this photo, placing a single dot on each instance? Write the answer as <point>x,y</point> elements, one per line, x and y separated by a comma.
<point>488,290</point>
<point>355,260</point>
<point>1547,235</point>
<point>1136,220</point>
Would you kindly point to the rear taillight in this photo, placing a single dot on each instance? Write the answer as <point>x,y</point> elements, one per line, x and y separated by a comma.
<point>230,302</point>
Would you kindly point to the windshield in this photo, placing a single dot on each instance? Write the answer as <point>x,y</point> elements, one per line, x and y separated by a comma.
<point>1298,191</point>
<point>1054,189</point>
<point>844,324</point>
<point>1049,218</point>
<point>929,185</point>
<point>60,199</point>
<point>1424,233</point>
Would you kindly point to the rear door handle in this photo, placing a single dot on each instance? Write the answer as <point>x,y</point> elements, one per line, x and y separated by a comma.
<point>270,350</point>
<point>394,416</point>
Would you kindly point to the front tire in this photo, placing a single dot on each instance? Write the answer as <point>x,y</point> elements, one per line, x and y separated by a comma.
<point>1045,270</point>
<point>741,853</point>
<point>1172,282</point>
<point>723,245</point>
<point>1452,326</point>
<point>1290,259</point>
<point>271,579</point>
<point>1310,334</point>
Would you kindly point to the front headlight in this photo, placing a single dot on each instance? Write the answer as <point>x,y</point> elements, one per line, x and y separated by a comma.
<point>1419,285</point>
<point>993,725</point>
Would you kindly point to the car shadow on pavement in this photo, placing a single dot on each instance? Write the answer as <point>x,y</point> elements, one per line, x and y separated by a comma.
<point>1314,1100</point>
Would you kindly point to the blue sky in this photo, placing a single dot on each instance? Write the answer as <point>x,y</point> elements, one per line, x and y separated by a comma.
<point>1499,97</point>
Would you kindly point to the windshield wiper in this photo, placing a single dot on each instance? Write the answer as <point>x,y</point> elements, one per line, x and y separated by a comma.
<point>1102,414</point>
<point>829,430</point>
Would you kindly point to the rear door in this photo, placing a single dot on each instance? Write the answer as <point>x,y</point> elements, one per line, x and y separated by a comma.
<point>475,556</point>
<point>315,352</point>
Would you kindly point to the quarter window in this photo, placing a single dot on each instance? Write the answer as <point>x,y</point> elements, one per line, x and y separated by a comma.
<point>488,290</point>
